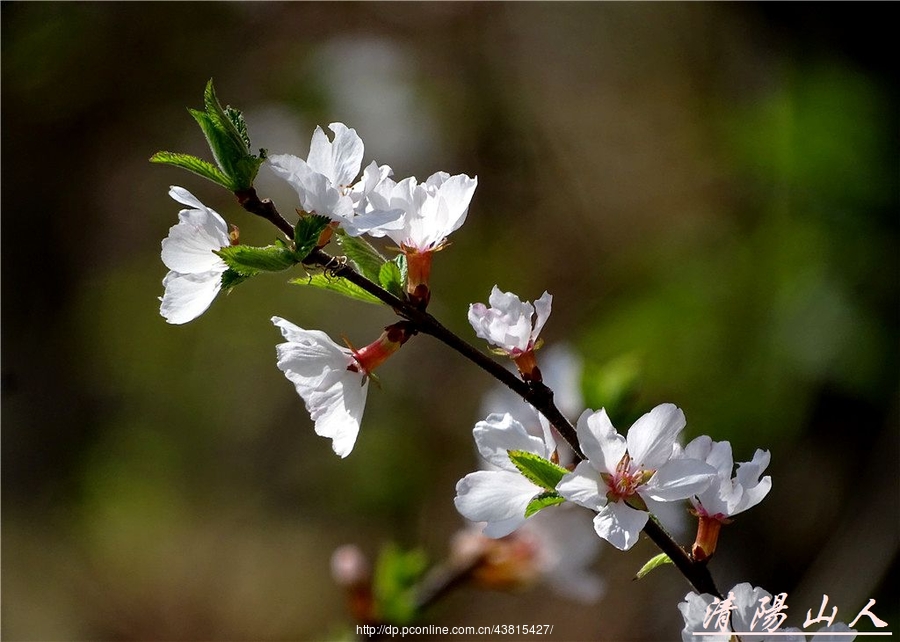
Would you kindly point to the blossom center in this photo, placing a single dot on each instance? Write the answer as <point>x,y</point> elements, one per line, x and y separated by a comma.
<point>624,482</point>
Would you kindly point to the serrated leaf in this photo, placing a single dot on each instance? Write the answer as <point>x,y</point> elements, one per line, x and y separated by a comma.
<point>192,164</point>
<point>394,583</point>
<point>249,260</point>
<point>336,284</point>
<point>400,260</point>
<point>365,258</point>
<point>542,501</point>
<point>231,278</point>
<point>307,232</point>
<point>653,563</point>
<point>237,119</point>
<point>222,146</point>
<point>391,279</point>
<point>538,470</point>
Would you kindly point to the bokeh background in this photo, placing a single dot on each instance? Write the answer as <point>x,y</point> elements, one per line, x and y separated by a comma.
<point>709,191</point>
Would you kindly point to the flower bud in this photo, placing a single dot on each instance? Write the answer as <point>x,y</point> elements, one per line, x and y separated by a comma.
<point>377,352</point>
<point>418,266</point>
<point>350,570</point>
<point>707,536</point>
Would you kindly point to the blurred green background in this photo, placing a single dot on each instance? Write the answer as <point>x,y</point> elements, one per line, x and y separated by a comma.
<point>709,191</point>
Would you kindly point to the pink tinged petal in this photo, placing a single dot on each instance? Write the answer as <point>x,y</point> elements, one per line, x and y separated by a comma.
<point>651,438</point>
<point>600,442</point>
<point>678,479</point>
<point>496,496</point>
<point>620,524</point>
<point>584,486</point>
<point>498,434</point>
<point>187,296</point>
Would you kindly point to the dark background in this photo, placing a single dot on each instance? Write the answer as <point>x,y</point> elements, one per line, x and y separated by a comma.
<point>708,190</point>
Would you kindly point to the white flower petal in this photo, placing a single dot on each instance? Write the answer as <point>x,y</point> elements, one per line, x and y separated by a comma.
<point>455,194</point>
<point>495,496</point>
<point>600,442</point>
<point>693,610</point>
<point>620,524</point>
<point>678,479</point>
<point>189,247</point>
<point>431,210</point>
<point>335,396</point>
<point>751,496</point>
<point>338,160</point>
<point>542,309</point>
<point>187,296</point>
<point>748,472</point>
<point>584,486</point>
<point>498,434</point>
<point>651,438</point>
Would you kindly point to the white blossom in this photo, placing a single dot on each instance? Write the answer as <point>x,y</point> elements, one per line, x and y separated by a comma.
<point>430,210</point>
<point>328,378</point>
<point>727,496</point>
<point>325,181</point>
<point>621,474</point>
<point>195,275</point>
<point>500,496</point>
<point>509,323</point>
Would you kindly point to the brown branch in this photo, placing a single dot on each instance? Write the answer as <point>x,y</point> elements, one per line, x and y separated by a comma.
<point>534,392</point>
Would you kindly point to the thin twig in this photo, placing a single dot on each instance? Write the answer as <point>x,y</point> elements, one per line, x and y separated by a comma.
<point>535,392</point>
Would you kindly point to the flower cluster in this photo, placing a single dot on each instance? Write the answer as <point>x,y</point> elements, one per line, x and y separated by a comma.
<point>539,471</point>
<point>331,379</point>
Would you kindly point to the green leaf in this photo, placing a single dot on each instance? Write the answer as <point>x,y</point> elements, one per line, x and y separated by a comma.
<point>231,278</point>
<point>336,284</point>
<point>230,146</point>
<point>226,134</point>
<point>365,258</point>
<point>237,119</point>
<point>538,470</point>
<point>652,563</point>
<point>248,260</point>
<point>307,232</point>
<point>394,583</point>
<point>391,279</point>
<point>542,501</point>
<point>192,164</point>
